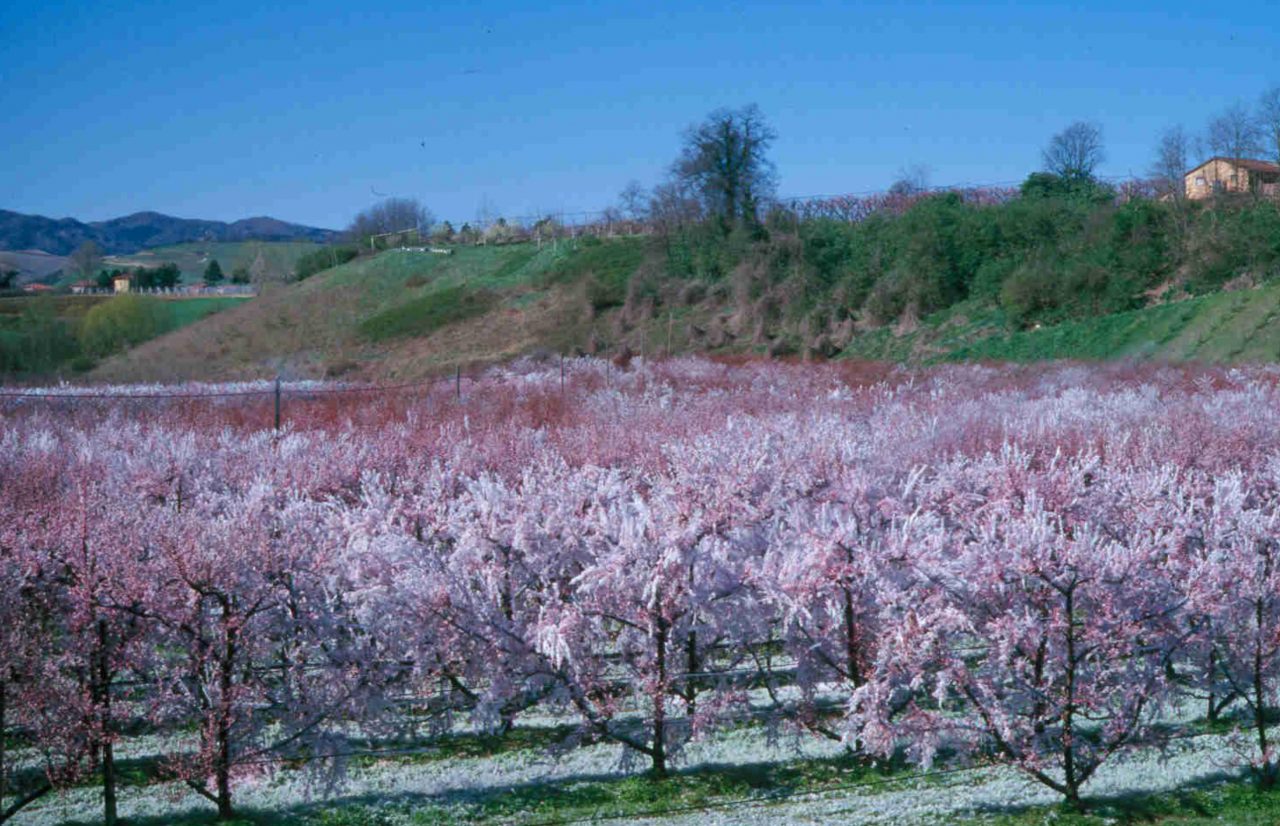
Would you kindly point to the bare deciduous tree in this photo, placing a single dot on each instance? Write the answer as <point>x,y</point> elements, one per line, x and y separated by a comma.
<point>1171,161</point>
<point>634,201</point>
<point>723,161</point>
<point>392,215</point>
<point>673,205</point>
<point>87,259</point>
<point>1234,133</point>
<point>1075,152</point>
<point>911,180</point>
<point>1269,122</point>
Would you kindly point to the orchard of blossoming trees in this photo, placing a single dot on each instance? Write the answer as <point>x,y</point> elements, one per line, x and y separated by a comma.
<point>1041,567</point>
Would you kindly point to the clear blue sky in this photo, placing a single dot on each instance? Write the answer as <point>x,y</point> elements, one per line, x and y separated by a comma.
<point>304,111</point>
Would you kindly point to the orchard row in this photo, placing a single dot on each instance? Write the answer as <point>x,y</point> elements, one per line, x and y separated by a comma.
<point>1040,567</point>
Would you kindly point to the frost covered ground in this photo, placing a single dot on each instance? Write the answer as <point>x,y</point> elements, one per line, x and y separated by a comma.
<point>452,787</point>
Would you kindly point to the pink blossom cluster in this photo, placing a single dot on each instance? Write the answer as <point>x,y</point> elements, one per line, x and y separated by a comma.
<point>855,208</point>
<point>1028,565</point>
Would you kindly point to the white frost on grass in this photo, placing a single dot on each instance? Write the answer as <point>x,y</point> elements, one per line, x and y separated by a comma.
<point>454,783</point>
<point>450,782</point>
<point>973,794</point>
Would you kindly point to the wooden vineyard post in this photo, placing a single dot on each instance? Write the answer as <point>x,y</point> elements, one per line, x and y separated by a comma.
<point>457,382</point>
<point>277,404</point>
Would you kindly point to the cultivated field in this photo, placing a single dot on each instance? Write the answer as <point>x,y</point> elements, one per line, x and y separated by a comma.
<point>274,259</point>
<point>674,592</point>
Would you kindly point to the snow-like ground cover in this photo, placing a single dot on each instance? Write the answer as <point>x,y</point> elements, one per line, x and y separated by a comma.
<point>976,793</point>
<point>453,786</point>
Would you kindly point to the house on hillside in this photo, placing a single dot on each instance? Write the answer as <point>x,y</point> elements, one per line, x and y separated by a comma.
<point>1219,175</point>
<point>121,282</point>
<point>82,287</point>
<point>39,289</point>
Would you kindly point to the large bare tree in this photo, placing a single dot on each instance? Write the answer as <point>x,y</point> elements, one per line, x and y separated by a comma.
<point>724,162</point>
<point>1075,153</point>
<point>1269,122</point>
<point>87,259</point>
<point>392,215</point>
<point>1234,133</point>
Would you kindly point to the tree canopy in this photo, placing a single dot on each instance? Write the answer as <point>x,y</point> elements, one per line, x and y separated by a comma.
<point>392,215</point>
<point>724,163</point>
<point>1075,153</point>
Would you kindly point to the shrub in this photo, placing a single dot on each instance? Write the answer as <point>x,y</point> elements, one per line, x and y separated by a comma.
<point>120,322</point>
<point>38,341</point>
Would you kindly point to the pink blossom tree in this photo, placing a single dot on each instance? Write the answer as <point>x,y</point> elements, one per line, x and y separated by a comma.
<point>1038,637</point>
<point>1235,586</point>
<point>831,570</point>
<point>270,663</point>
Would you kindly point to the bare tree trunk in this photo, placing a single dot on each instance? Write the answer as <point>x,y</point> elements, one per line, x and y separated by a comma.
<point>1267,774</point>
<point>222,768</point>
<point>852,672</point>
<point>103,690</point>
<point>1212,711</point>
<point>4,756</point>
<point>659,753</point>
<point>1069,775</point>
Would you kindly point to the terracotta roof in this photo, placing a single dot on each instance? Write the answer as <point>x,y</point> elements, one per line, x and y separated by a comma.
<point>1251,164</point>
<point>1256,166</point>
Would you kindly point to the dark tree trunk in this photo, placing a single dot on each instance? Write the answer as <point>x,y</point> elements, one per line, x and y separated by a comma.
<point>659,753</point>
<point>1069,774</point>
<point>103,691</point>
<point>852,672</point>
<point>1267,774</point>
<point>4,756</point>
<point>222,768</point>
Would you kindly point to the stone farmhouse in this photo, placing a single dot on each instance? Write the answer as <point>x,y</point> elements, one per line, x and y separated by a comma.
<point>1221,175</point>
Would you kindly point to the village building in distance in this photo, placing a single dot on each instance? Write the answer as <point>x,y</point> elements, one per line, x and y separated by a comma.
<point>1239,175</point>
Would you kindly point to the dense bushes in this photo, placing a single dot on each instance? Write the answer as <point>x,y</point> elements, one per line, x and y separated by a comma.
<point>1055,252</point>
<point>37,340</point>
<point>122,322</point>
<point>50,334</point>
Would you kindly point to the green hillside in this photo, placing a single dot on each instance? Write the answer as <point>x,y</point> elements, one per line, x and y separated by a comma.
<point>1081,275</point>
<point>403,314</point>
<point>276,259</point>
<point>1236,326</point>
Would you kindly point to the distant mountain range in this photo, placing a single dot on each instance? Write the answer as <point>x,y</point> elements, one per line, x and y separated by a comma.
<point>142,230</point>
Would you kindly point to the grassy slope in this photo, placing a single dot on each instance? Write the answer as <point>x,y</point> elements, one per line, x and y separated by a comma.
<point>1221,327</point>
<point>402,315</point>
<point>378,317</point>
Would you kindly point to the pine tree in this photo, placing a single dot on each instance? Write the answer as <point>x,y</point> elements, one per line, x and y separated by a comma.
<point>212,273</point>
